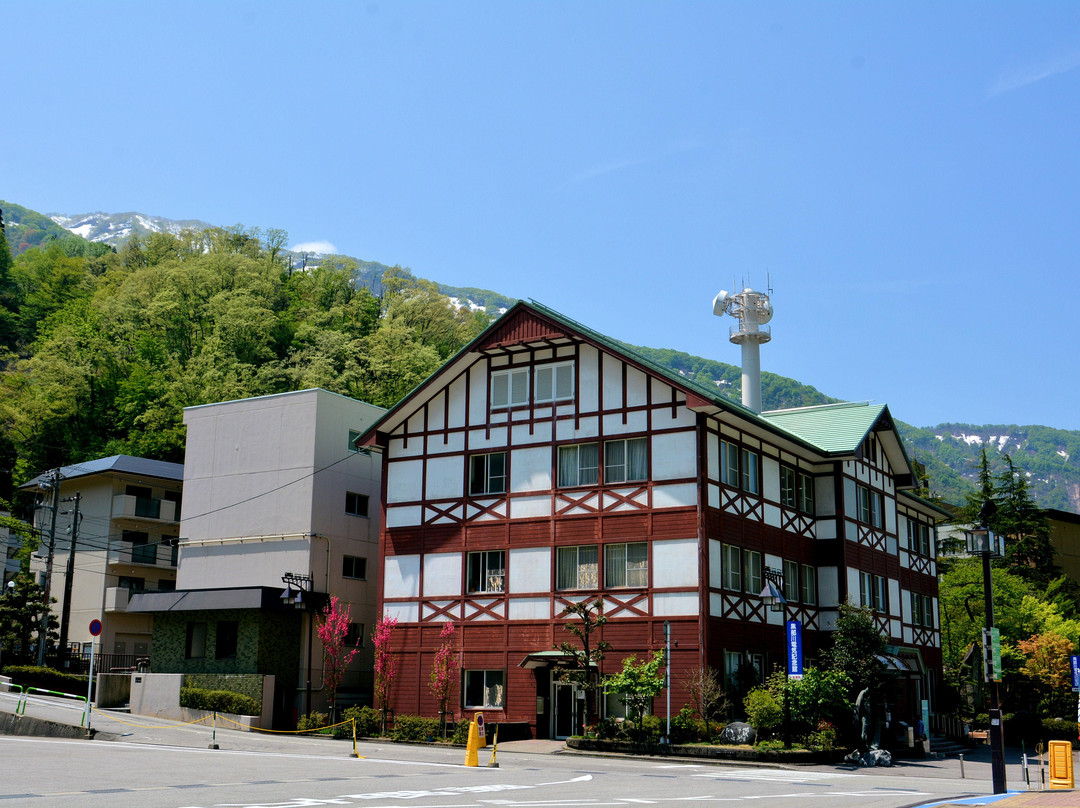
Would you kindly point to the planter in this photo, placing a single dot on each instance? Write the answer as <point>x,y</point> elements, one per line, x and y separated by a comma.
<point>792,756</point>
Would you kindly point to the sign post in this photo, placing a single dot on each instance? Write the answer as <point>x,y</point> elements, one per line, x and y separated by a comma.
<point>795,654</point>
<point>95,631</point>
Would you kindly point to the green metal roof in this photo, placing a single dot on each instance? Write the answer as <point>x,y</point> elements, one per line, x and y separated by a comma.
<point>833,428</point>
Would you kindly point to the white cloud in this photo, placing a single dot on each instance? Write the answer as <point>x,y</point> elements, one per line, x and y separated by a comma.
<point>1033,73</point>
<point>322,247</point>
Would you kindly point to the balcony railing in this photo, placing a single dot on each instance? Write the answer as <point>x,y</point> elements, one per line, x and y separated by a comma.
<point>116,598</point>
<point>126,506</point>
<point>157,555</point>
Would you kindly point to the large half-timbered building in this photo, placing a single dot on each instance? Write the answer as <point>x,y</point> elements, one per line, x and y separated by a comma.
<point>546,464</point>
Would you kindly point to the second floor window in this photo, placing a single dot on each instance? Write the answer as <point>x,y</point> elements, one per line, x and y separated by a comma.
<point>739,467</point>
<point>577,567</point>
<point>487,571</point>
<point>873,591</point>
<point>791,581</point>
<point>487,474</point>
<point>809,585</point>
<point>731,562</point>
<point>626,565</point>
<point>918,537</point>
<point>354,567</point>
<point>554,382</point>
<point>624,460</point>
<point>579,464</point>
<point>755,581</point>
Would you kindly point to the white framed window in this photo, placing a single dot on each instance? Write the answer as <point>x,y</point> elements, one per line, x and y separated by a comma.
<point>579,464</point>
<point>791,581</point>
<point>809,585</point>
<point>354,567</point>
<point>484,689</point>
<point>554,382</point>
<point>626,564</point>
<point>788,487</point>
<point>916,609</point>
<point>732,662</point>
<point>487,474</point>
<point>928,611</point>
<point>729,463</point>
<point>755,581</point>
<point>732,567</point>
<point>806,494</point>
<point>749,471</point>
<point>487,571</point>
<point>873,591</point>
<point>510,388</point>
<point>625,460</point>
<point>577,567</point>
<point>918,537</point>
<point>871,506</point>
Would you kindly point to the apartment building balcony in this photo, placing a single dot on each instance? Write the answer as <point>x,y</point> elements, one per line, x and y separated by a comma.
<point>150,555</point>
<point>126,506</point>
<point>116,598</point>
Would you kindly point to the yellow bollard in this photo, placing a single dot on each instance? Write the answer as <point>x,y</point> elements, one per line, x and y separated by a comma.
<point>471,757</point>
<point>493,763</point>
<point>1061,768</point>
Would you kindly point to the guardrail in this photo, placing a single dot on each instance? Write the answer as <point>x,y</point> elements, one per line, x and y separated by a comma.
<point>20,707</point>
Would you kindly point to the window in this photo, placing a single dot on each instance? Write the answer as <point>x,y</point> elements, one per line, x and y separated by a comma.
<point>353,436</point>
<point>626,565</point>
<point>754,579</point>
<point>133,584</point>
<point>624,460</point>
<point>196,641</point>
<point>487,571</point>
<point>806,493</point>
<point>732,566</point>
<point>788,492</point>
<point>871,507</point>
<point>141,551</point>
<point>749,461</point>
<point>916,609</point>
<point>873,591</point>
<point>928,611</point>
<point>918,537</point>
<point>483,689</point>
<point>487,473</point>
<point>354,567</point>
<point>732,663</point>
<point>739,467</point>
<point>510,388</point>
<point>809,585</point>
<point>579,464</point>
<point>175,497</point>
<point>354,637</point>
<point>228,631</point>
<point>555,382</point>
<point>578,567</point>
<point>791,581</point>
<point>356,504</point>
<point>166,585</point>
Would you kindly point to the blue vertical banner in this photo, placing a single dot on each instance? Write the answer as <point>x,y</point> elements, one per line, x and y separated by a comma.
<point>1076,672</point>
<point>794,649</point>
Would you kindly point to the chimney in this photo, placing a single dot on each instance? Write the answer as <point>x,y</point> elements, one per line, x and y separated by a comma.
<point>753,310</point>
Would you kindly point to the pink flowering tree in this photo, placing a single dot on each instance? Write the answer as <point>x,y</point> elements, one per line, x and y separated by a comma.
<point>443,672</point>
<point>384,663</point>
<point>332,626</point>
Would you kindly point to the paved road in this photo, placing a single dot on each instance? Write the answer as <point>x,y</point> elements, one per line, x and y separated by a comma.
<point>160,764</point>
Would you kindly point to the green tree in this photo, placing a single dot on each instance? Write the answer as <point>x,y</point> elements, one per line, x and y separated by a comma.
<point>1027,544</point>
<point>637,684</point>
<point>856,645</point>
<point>707,695</point>
<point>585,619</point>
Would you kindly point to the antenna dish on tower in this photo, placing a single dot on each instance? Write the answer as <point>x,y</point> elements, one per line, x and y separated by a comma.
<point>720,303</point>
<point>753,310</point>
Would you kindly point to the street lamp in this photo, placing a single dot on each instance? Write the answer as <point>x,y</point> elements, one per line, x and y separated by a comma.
<point>984,543</point>
<point>773,597</point>
<point>295,587</point>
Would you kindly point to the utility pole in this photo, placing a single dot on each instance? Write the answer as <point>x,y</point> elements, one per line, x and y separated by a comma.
<point>69,575</point>
<point>43,630</point>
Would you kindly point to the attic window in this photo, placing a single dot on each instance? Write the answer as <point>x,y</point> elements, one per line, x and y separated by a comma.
<point>555,382</point>
<point>510,388</point>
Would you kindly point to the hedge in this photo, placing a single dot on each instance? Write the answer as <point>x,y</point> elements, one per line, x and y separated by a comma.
<point>45,679</point>
<point>221,701</point>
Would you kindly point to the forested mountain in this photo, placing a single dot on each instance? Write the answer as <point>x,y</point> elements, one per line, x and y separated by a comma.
<point>101,347</point>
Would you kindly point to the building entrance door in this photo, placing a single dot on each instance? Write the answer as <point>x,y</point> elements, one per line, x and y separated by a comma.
<point>566,712</point>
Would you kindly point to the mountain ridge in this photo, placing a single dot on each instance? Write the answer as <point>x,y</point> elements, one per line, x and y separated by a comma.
<point>1048,457</point>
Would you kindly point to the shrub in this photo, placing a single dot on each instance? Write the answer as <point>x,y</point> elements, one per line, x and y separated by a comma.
<point>607,729</point>
<point>461,734</point>
<point>367,721</point>
<point>764,711</point>
<point>651,728</point>
<point>414,728</point>
<point>686,727</point>
<point>823,736</point>
<point>312,721</point>
<point>45,679</point>
<point>221,701</point>
<point>1059,729</point>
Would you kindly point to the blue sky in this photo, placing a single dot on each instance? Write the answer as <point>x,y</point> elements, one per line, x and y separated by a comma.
<point>907,175</point>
